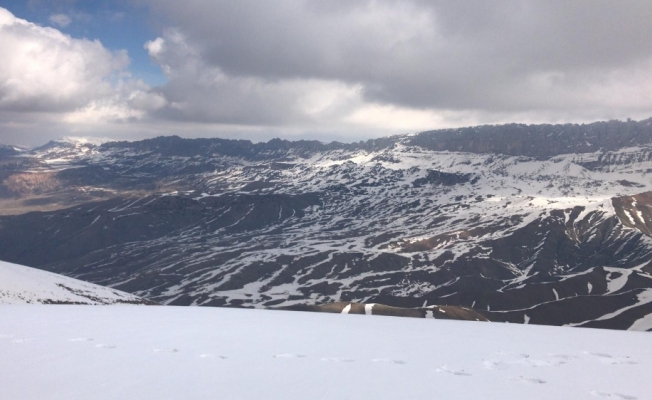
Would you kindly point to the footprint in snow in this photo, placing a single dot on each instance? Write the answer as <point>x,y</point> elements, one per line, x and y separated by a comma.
<point>289,355</point>
<point>542,363</point>
<point>613,395</point>
<point>491,364</point>
<point>105,346</point>
<point>388,361</point>
<point>564,356</point>
<point>609,359</point>
<point>165,350</point>
<point>335,359</point>
<point>81,339</point>
<point>212,356</point>
<point>528,380</point>
<point>524,359</point>
<point>447,370</point>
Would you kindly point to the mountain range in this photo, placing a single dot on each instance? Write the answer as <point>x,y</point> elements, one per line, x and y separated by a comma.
<point>544,224</point>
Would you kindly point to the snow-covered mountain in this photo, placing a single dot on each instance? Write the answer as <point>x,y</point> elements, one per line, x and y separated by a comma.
<point>75,352</point>
<point>8,150</point>
<point>545,224</point>
<point>25,285</point>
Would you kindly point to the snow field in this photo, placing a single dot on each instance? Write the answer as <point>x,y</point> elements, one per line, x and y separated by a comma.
<point>81,352</point>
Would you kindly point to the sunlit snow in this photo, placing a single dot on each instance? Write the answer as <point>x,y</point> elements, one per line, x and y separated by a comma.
<point>84,352</point>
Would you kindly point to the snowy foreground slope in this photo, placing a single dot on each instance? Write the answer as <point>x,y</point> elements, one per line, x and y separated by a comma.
<point>24,285</point>
<point>73,352</point>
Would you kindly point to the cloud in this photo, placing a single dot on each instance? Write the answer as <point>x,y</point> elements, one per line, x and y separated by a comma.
<point>61,20</point>
<point>199,92</point>
<point>445,58</point>
<point>338,68</point>
<point>46,70</point>
<point>49,77</point>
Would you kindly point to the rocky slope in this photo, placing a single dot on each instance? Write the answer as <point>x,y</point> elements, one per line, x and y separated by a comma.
<point>433,312</point>
<point>532,224</point>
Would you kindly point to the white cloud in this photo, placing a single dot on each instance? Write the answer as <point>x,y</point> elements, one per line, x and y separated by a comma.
<point>46,70</point>
<point>128,101</point>
<point>147,100</point>
<point>61,20</point>
<point>53,78</point>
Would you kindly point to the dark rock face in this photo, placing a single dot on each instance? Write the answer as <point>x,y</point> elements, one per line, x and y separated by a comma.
<point>538,140</point>
<point>511,139</point>
<point>434,312</point>
<point>444,178</point>
<point>552,235</point>
<point>113,223</point>
<point>7,151</point>
<point>174,146</point>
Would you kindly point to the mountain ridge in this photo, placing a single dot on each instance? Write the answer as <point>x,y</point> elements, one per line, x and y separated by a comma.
<point>23,285</point>
<point>517,237</point>
<point>534,140</point>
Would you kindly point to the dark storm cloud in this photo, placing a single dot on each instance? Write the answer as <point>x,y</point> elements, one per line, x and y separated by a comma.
<point>496,56</point>
<point>310,68</point>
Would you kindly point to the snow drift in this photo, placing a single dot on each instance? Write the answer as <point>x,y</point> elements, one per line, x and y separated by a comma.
<point>73,352</point>
<point>25,285</point>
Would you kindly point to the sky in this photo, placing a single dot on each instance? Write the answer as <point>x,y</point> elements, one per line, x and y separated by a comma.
<point>335,70</point>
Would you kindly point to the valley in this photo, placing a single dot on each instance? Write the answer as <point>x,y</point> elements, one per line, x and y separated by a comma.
<point>556,233</point>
